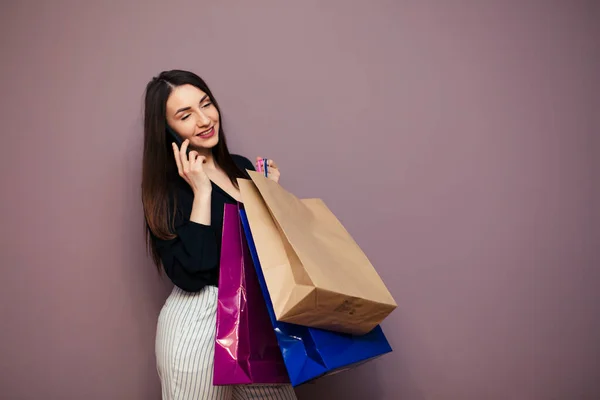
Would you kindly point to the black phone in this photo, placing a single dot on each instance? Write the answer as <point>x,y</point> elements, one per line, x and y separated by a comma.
<point>177,139</point>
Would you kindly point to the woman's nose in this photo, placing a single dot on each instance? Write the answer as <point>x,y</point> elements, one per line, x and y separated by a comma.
<point>203,120</point>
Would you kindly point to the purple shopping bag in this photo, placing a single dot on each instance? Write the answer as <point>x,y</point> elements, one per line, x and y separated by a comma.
<point>246,349</point>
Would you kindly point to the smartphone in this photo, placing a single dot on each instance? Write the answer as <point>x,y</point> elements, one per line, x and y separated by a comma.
<point>177,139</point>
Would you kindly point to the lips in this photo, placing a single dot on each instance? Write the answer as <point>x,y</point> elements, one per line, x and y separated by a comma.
<point>207,133</point>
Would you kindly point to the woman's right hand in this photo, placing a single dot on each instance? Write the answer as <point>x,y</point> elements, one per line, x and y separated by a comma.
<point>192,169</point>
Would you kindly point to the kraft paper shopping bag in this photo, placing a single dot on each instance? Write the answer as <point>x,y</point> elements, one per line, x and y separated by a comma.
<point>310,353</point>
<point>315,272</point>
<point>246,349</point>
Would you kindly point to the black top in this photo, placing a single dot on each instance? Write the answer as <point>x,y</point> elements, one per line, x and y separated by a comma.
<point>191,260</point>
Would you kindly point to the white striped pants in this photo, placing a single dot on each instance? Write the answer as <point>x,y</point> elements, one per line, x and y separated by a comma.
<point>185,348</point>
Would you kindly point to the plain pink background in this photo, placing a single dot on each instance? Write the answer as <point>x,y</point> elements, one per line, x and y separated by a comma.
<point>456,140</point>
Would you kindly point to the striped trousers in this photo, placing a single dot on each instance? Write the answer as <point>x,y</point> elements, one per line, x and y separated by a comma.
<point>185,348</point>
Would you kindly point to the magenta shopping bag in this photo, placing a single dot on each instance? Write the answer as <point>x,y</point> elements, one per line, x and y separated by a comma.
<point>246,349</point>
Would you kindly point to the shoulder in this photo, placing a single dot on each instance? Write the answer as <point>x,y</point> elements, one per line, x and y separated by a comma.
<point>242,162</point>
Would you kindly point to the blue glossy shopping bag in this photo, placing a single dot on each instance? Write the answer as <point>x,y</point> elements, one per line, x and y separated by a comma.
<point>309,353</point>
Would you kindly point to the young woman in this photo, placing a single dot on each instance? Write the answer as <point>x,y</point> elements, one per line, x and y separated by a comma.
<point>183,195</point>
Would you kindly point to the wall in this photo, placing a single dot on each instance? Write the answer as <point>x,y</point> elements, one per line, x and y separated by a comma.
<point>451,138</point>
<point>595,145</point>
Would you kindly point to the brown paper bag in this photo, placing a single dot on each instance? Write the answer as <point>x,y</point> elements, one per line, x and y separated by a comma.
<point>315,272</point>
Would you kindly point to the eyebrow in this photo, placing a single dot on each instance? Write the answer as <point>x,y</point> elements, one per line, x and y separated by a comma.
<point>187,108</point>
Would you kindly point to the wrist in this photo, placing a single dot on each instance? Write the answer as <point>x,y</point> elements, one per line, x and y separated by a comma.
<point>201,207</point>
<point>202,195</point>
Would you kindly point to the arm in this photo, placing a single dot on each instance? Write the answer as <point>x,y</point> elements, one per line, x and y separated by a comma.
<point>201,208</point>
<point>191,258</point>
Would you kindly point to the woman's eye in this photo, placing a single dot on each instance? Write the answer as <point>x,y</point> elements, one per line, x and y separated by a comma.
<point>186,117</point>
<point>207,105</point>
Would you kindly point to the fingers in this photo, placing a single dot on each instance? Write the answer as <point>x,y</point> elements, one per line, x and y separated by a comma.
<point>272,171</point>
<point>196,161</point>
<point>177,160</point>
<point>192,156</point>
<point>271,164</point>
<point>185,164</point>
<point>260,164</point>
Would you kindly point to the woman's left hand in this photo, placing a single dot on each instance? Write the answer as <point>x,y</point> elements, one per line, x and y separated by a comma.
<point>273,172</point>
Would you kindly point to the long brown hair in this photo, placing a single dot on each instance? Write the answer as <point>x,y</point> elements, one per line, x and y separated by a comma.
<point>159,172</point>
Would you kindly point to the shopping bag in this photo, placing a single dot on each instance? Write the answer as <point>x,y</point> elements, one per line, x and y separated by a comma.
<point>310,353</point>
<point>246,349</point>
<point>315,272</point>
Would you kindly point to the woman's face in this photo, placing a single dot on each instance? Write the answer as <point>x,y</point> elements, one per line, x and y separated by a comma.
<point>191,113</point>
